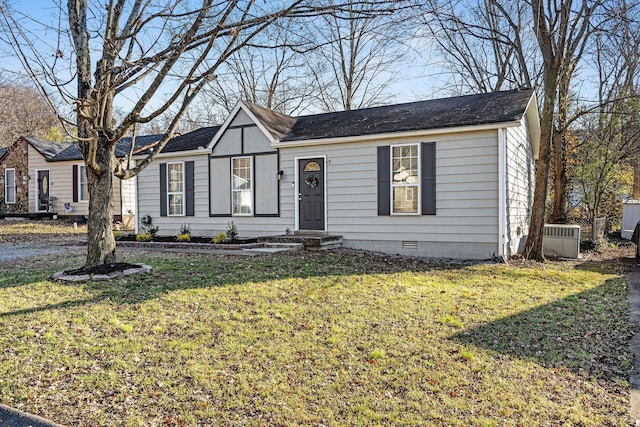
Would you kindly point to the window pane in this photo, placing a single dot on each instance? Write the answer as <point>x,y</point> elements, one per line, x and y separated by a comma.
<point>405,164</point>
<point>242,202</point>
<point>175,177</point>
<point>10,186</point>
<point>175,204</point>
<point>241,173</point>
<point>242,191</point>
<point>84,193</point>
<point>405,199</point>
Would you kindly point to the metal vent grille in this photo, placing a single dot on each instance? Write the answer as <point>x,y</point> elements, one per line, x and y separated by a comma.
<point>410,244</point>
<point>563,231</point>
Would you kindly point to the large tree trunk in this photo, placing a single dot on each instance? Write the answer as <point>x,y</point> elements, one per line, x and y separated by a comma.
<point>559,147</point>
<point>560,179</point>
<point>533,247</point>
<point>101,245</point>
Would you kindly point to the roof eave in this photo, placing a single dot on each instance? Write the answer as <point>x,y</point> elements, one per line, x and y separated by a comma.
<point>396,135</point>
<point>533,122</point>
<point>195,152</point>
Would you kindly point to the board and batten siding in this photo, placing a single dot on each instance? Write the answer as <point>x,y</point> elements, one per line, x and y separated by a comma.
<point>466,220</point>
<point>520,180</point>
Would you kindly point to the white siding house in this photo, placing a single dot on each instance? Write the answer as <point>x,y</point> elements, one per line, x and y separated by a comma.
<point>444,178</point>
<point>54,179</point>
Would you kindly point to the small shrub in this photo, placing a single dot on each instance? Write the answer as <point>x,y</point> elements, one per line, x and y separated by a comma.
<point>185,229</point>
<point>184,237</point>
<point>153,230</point>
<point>118,235</point>
<point>232,232</point>
<point>144,237</point>
<point>219,238</point>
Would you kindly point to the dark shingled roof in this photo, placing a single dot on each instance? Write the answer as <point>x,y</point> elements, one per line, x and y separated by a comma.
<point>277,124</point>
<point>486,108</point>
<point>72,152</point>
<point>48,149</point>
<point>192,140</point>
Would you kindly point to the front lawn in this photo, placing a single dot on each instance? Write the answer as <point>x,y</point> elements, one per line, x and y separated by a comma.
<point>336,338</point>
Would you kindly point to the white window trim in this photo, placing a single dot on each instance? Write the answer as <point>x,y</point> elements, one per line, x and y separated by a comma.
<point>251,188</point>
<point>6,186</point>
<point>80,199</point>
<point>173,193</point>
<point>404,185</point>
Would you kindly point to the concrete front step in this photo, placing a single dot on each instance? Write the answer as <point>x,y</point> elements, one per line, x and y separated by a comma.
<point>312,241</point>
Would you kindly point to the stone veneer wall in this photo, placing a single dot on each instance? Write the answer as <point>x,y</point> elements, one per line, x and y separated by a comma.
<point>18,159</point>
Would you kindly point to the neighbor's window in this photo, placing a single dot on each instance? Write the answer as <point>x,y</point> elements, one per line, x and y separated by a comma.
<point>83,189</point>
<point>242,185</point>
<point>405,171</point>
<point>175,188</point>
<point>10,186</point>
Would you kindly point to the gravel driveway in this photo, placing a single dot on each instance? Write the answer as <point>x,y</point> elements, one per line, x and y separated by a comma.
<point>17,251</point>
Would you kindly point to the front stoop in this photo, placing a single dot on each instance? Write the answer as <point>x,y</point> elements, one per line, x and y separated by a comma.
<point>312,240</point>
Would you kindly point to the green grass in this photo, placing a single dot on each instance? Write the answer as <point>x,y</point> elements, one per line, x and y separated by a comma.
<point>336,338</point>
<point>52,227</point>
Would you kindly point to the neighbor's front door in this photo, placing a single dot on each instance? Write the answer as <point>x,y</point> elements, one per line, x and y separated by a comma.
<point>311,194</point>
<point>43,191</point>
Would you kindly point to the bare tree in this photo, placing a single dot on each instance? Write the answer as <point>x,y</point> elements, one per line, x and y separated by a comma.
<point>562,33</point>
<point>488,45</point>
<point>156,55</point>
<point>355,62</point>
<point>23,112</point>
<point>272,73</point>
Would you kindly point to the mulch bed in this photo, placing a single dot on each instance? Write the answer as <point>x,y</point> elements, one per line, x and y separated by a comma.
<point>102,269</point>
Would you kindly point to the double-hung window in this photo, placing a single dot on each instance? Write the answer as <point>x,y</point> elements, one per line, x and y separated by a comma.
<point>10,186</point>
<point>175,188</point>
<point>405,179</point>
<point>242,185</point>
<point>83,189</point>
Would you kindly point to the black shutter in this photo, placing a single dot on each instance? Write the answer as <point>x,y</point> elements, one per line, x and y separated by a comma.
<point>189,197</point>
<point>163,189</point>
<point>384,181</point>
<point>428,178</point>
<point>74,175</point>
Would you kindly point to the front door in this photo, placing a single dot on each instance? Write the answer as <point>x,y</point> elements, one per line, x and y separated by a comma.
<point>43,191</point>
<point>311,194</point>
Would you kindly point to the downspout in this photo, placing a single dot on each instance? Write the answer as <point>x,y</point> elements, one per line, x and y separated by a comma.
<point>502,192</point>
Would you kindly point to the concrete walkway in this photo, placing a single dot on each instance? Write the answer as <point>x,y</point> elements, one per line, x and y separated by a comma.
<point>10,417</point>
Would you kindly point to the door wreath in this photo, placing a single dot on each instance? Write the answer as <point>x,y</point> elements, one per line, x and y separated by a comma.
<point>311,181</point>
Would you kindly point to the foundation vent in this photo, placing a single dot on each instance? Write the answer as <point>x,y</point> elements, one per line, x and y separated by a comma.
<point>409,244</point>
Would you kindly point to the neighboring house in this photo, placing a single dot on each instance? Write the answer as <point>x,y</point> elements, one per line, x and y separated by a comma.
<point>41,176</point>
<point>442,178</point>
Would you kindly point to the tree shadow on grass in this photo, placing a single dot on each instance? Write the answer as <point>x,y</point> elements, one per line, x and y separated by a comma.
<point>587,333</point>
<point>176,271</point>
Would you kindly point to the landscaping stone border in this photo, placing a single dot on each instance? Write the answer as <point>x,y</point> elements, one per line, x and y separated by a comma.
<point>86,277</point>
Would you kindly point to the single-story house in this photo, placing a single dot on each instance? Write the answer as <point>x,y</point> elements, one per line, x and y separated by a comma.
<point>446,178</point>
<point>39,176</point>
